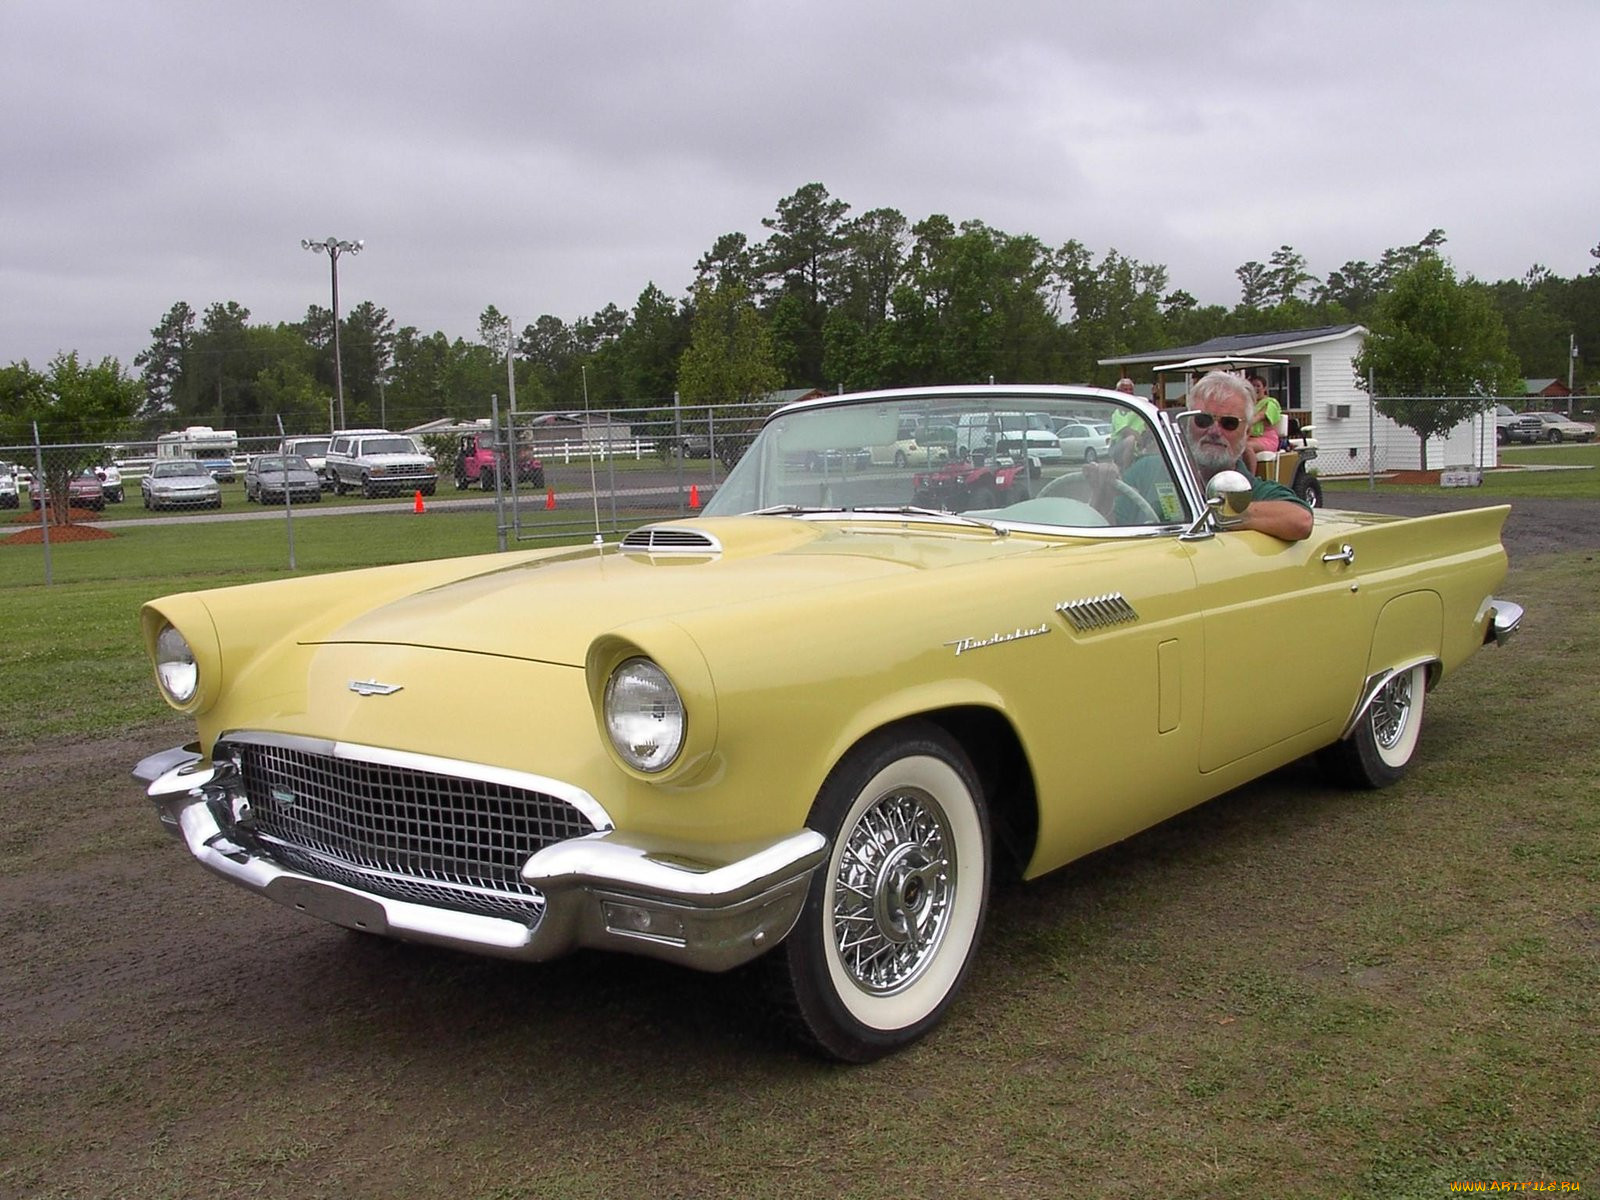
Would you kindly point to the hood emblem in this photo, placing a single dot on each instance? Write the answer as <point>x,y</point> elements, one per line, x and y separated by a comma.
<point>371,687</point>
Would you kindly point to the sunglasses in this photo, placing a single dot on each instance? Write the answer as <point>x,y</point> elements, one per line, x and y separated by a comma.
<point>1203,420</point>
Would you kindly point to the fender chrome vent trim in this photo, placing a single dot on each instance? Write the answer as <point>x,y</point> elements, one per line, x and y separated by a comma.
<point>670,539</point>
<point>1097,612</point>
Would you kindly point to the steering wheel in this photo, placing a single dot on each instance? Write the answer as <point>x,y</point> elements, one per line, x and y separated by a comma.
<point>1146,509</point>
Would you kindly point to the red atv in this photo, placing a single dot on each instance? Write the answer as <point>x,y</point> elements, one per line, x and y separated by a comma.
<point>477,455</point>
<point>972,483</point>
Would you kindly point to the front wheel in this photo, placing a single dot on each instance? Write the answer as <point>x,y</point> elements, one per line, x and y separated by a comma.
<point>892,920</point>
<point>1311,492</point>
<point>1380,748</point>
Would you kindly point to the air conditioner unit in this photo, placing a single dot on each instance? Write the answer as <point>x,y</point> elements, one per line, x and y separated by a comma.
<point>1338,412</point>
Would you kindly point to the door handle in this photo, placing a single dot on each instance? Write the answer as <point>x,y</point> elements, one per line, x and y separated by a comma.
<point>1345,554</point>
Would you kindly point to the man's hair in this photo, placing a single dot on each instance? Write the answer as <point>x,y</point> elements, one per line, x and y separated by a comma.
<point>1222,385</point>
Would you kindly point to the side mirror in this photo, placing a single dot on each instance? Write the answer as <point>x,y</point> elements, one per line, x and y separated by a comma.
<point>1230,492</point>
<point>1227,495</point>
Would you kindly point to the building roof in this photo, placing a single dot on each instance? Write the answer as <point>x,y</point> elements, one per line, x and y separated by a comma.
<point>1543,387</point>
<point>1283,341</point>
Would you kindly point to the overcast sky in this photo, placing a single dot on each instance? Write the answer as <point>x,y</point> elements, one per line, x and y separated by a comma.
<point>553,158</point>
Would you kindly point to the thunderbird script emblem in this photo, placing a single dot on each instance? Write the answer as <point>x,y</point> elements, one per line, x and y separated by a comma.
<point>371,687</point>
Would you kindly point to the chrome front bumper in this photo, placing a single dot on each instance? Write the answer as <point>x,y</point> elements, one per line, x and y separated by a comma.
<point>711,910</point>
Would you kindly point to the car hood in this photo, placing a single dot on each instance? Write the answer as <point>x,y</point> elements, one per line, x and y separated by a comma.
<point>552,609</point>
<point>182,481</point>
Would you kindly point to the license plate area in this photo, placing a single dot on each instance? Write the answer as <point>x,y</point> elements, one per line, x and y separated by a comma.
<point>332,904</point>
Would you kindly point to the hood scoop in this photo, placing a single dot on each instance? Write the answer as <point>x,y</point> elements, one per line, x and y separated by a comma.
<point>670,539</point>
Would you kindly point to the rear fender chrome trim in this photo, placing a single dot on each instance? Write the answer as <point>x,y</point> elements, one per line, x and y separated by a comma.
<point>1375,684</point>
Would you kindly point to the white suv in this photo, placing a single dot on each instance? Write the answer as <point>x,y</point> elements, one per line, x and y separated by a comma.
<point>377,461</point>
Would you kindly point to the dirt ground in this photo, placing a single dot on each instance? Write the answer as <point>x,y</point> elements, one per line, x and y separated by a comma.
<point>125,963</point>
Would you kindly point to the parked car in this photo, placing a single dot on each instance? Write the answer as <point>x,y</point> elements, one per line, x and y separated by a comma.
<point>377,462</point>
<point>313,448</point>
<point>10,496</point>
<point>84,490</point>
<point>811,724</point>
<point>1083,442</point>
<point>1511,426</point>
<point>180,483</point>
<point>1555,427</point>
<point>111,483</point>
<point>269,476</point>
<point>477,454</point>
<point>688,445</point>
<point>907,450</point>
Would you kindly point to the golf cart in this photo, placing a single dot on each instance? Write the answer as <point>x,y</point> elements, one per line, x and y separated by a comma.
<point>1290,464</point>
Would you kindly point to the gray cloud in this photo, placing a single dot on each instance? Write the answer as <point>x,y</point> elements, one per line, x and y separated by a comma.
<point>556,158</point>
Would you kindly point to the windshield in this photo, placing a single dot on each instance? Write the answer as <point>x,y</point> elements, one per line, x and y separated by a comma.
<point>984,454</point>
<point>168,470</point>
<point>314,449</point>
<point>391,445</point>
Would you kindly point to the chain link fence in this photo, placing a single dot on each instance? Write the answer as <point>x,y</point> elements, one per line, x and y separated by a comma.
<point>600,473</point>
<point>557,476</point>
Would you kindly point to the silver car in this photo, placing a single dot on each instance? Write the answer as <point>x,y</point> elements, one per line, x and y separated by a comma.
<point>180,483</point>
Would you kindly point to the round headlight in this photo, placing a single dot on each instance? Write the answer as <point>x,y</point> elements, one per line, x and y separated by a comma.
<point>175,666</point>
<point>644,715</point>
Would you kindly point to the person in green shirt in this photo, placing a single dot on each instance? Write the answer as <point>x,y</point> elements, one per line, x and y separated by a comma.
<point>1264,419</point>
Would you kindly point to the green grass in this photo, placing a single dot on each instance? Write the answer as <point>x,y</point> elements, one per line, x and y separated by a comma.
<point>1290,991</point>
<point>79,637</point>
<point>1554,485</point>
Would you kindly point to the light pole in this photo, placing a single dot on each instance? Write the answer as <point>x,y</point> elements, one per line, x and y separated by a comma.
<point>333,247</point>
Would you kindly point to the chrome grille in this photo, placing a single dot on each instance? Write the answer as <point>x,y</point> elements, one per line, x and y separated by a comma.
<point>431,838</point>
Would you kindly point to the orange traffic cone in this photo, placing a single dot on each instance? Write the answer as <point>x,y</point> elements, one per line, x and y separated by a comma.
<point>550,498</point>
<point>694,495</point>
<point>419,506</point>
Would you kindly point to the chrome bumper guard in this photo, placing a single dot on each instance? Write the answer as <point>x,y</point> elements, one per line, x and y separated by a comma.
<point>712,910</point>
<point>1503,619</point>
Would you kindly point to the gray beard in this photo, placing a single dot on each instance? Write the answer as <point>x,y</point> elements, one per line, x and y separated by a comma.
<point>1211,458</point>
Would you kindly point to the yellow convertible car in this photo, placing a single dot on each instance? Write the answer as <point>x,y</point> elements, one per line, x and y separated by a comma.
<point>812,723</point>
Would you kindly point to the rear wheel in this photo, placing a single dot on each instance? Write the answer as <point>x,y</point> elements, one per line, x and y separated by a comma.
<point>892,919</point>
<point>1380,748</point>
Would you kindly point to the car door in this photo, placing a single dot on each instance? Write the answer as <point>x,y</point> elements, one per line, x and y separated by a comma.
<point>1287,628</point>
<point>1115,727</point>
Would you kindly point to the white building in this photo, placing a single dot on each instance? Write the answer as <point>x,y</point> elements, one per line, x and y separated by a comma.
<point>1316,383</point>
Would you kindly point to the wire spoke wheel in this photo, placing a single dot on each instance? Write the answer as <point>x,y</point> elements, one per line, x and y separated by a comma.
<point>892,919</point>
<point>1381,746</point>
<point>892,892</point>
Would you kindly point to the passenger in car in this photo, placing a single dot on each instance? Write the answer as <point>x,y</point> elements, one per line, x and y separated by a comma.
<point>1221,405</point>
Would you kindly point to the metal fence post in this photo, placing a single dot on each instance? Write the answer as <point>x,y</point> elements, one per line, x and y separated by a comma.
<point>1372,430</point>
<point>288,503</point>
<point>499,498</point>
<point>44,504</point>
